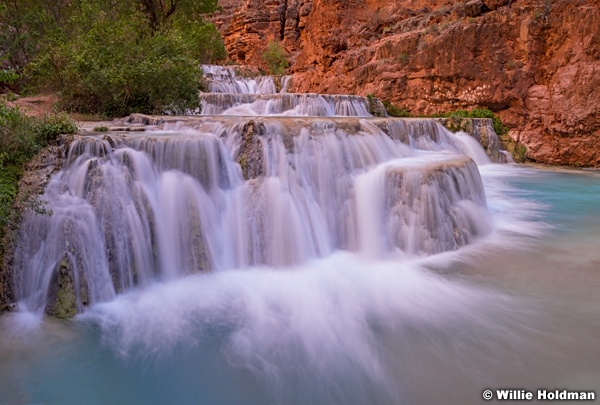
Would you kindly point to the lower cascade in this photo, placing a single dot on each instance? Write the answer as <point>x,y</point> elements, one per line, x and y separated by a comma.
<point>220,192</point>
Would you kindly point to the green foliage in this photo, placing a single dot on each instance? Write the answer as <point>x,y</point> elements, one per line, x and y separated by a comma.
<point>50,127</point>
<point>394,111</point>
<point>112,58</point>
<point>499,127</point>
<point>101,129</point>
<point>276,58</point>
<point>160,13</point>
<point>20,138</point>
<point>202,41</point>
<point>520,153</point>
<point>120,66</point>
<point>8,76</point>
<point>9,178</point>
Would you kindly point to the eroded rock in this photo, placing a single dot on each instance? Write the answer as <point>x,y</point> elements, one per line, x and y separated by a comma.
<point>250,154</point>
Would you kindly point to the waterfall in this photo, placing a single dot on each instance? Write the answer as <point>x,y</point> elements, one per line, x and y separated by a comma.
<point>249,93</point>
<point>290,179</point>
<point>228,80</point>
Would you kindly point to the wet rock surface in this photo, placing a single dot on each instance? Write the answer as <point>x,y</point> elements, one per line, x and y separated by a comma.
<point>250,153</point>
<point>62,298</point>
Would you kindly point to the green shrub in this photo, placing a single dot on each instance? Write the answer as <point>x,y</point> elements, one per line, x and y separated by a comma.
<point>101,129</point>
<point>520,154</point>
<point>276,58</point>
<point>120,66</point>
<point>51,126</point>
<point>8,76</point>
<point>202,41</point>
<point>18,138</point>
<point>115,58</point>
<point>21,137</point>
<point>394,111</point>
<point>34,27</point>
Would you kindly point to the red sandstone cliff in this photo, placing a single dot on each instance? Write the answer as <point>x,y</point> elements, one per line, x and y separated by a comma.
<point>534,62</point>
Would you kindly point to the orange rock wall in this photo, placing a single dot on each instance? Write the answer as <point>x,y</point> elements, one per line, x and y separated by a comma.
<point>534,62</point>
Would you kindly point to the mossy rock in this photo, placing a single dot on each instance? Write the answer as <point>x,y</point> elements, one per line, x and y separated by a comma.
<point>62,299</point>
<point>456,124</point>
<point>520,153</point>
<point>376,107</point>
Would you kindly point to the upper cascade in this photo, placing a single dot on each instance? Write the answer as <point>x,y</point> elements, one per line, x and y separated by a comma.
<point>243,80</point>
<point>243,91</point>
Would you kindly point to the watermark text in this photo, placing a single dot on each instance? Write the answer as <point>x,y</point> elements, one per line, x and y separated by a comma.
<point>540,395</point>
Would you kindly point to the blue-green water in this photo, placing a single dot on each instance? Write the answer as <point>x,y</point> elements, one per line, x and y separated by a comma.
<point>571,197</point>
<point>519,309</point>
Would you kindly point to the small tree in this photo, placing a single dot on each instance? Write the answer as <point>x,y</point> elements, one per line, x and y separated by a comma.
<point>276,58</point>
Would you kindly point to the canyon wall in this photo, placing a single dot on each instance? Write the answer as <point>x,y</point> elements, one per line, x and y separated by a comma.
<point>535,63</point>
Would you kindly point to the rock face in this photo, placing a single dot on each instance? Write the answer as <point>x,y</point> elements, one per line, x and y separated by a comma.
<point>534,62</point>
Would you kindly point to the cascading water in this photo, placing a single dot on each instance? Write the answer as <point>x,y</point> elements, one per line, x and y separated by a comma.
<point>233,193</point>
<point>292,255</point>
<point>226,80</point>
<point>231,94</point>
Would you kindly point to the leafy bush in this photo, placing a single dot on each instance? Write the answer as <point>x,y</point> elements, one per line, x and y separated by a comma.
<point>394,111</point>
<point>8,76</point>
<point>32,27</point>
<point>202,41</point>
<point>376,107</point>
<point>120,66</point>
<point>276,58</point>
<point>51,126</point>
<point>20,138</point>
<point>112,58</point>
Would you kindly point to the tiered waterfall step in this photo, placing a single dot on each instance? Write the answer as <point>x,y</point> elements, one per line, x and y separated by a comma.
<point>243,80</point>
<point>292,104</point>
<point>415,133</point>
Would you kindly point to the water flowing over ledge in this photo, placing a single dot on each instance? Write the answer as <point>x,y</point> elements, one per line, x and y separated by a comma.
<point>309,176</point>
<point>242,80</point>
<point>313,105</point>
<point>132,209</point>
